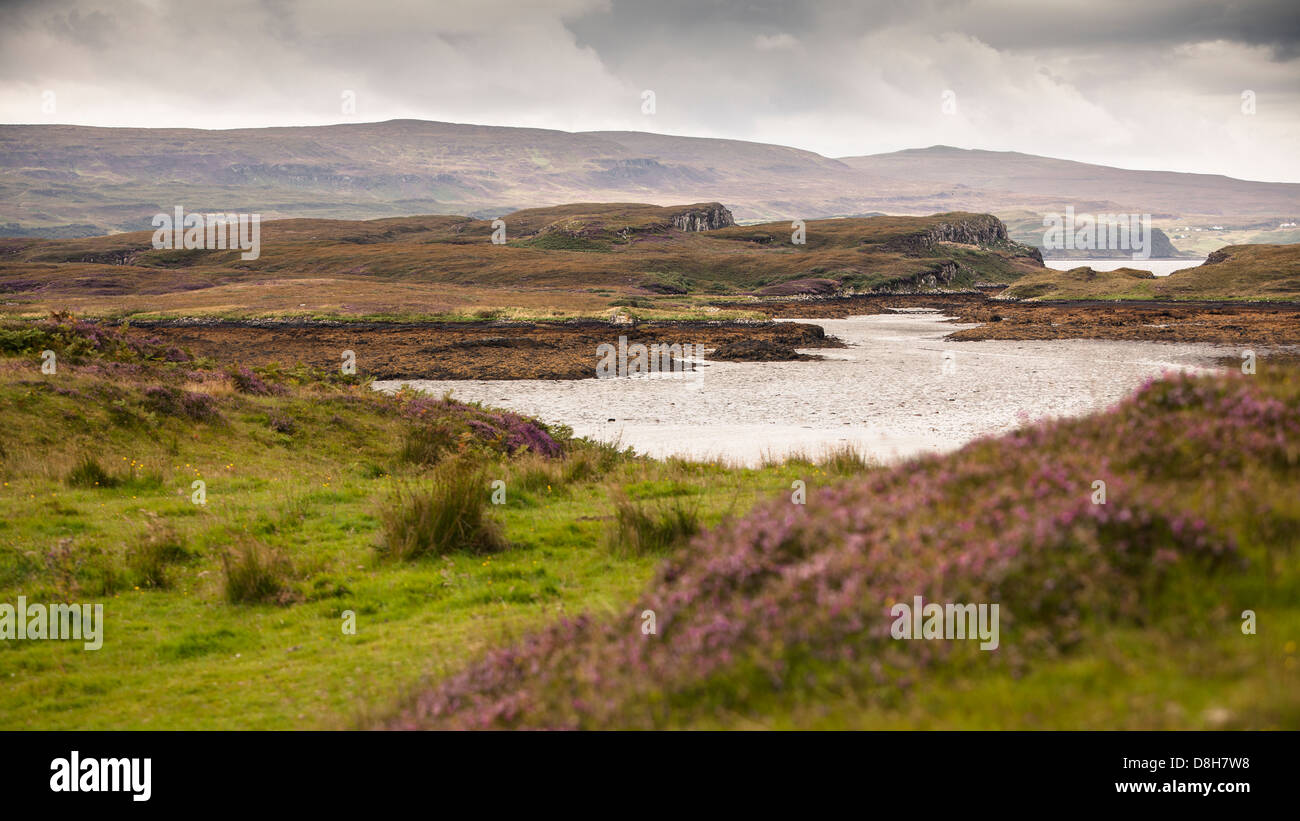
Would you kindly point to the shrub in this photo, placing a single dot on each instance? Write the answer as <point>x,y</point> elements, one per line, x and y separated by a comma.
<point>466,427</point>
<point>280,422</point>
<point>256,573</point>
<point>651,527</point>
<point>76,339</point>
<point>787,590</point>
<point>171,401</point>
<point>245,381</point>
<point>446,515</point>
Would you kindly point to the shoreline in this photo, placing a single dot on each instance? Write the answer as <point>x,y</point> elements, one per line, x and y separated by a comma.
<point>899,389</point>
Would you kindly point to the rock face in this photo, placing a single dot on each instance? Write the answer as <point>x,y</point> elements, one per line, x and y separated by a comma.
<point>981,230</point>
<point>706,217</point>
<point>978,229</point>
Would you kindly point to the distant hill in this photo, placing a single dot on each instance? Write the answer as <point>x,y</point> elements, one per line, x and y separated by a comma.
<point>1238,272</point>
<point>1028,181</point>
<point>58,180</point>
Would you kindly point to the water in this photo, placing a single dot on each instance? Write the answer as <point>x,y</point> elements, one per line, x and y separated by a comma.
<point>1159,267</point>
<point>888,393</point>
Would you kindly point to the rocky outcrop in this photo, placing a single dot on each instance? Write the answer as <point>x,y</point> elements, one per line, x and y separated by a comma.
<point>705,217</point>
<point>983,230</point>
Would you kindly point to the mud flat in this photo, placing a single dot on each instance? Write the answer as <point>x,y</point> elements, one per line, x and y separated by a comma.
<point>898,389</point>
<point>459,350</point>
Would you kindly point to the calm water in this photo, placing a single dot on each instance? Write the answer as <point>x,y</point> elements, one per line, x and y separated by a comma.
<point>1159,267</point>
<point>899,389</point>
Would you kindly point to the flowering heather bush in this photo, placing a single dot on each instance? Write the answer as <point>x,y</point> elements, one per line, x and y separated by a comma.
<point>760,605</point>
<point>171,401</point>
<point>76,338</point>
<point>445,425</point>
<point>245,381</point>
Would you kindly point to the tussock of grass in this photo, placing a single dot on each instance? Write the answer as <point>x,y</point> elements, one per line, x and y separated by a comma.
<point>845,459</point>
<point>90,473</point>
<point>427,444</point>
<point>256,573</point>
<point>160,545</point>
<point>447,513</point>
<point>651,527</point>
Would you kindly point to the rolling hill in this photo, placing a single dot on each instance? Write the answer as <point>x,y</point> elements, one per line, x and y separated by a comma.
<point>59,180</point>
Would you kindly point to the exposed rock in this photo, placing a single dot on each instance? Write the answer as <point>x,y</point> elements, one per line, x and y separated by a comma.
<point>981,230</point>
<point>706,217</point>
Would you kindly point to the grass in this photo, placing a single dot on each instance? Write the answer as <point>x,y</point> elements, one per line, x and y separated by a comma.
<point>178,652</point>
<point>651,528</point>
<point>447,513</point>
<point>255,573</point>
<point>1237,272</point>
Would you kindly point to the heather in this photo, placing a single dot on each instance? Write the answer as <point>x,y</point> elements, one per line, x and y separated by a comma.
<point>443,425</point>
<point>80,339</point>
<point>758,616</point>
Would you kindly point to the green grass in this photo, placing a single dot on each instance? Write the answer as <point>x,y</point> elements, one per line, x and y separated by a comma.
<point>180,653</point>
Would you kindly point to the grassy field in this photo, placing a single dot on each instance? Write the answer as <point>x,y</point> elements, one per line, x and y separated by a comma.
<point>305,474</point>
<point>1238,272</point>
<point>324,499</point>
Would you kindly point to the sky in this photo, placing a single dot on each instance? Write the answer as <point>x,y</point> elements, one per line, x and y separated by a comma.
<point>1211,87</point>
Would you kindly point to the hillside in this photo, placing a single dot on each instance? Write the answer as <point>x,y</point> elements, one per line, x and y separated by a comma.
<point>80,181</point>
<point>1050,184</point>
<point>582,257</point>
<point>1238,272</point>
<point>117,178</point>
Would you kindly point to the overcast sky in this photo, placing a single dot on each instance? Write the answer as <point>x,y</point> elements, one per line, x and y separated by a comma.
<point>1132,83</point>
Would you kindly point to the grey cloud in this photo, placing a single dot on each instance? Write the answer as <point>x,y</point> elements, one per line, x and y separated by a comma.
<point>1142,84</point>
